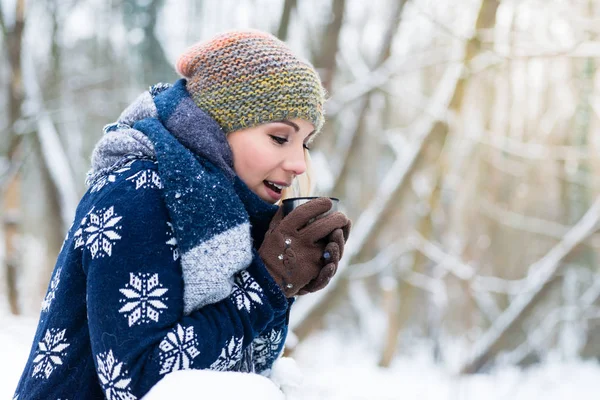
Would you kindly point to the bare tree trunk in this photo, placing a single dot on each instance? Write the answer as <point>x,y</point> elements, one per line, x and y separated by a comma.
<point>390,305</point>
<point>11,203</point>
<point>407,291</point>
<point>11,197</point>
<point>284,23</point>
<point>54,226</point>
<point>153,63</point>
<point>349,158</point>
<point>325,61</point>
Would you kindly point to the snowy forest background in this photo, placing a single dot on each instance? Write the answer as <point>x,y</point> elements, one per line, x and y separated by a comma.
<point>462,139</point>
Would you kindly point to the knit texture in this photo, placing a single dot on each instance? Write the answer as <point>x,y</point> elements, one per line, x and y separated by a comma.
<point>212,232</point>
<point>247,78</point>
<point>114,319</point>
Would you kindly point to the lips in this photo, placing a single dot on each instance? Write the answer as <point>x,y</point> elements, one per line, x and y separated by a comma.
<point>277,185</point>
<point>274,189</point>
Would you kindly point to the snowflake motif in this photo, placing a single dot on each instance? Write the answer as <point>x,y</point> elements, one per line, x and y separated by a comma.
<point>230,355</point>
<point>52,290</point>
<point>78,235</point>
<point>246,292</point>
<point>143,298</point>
<point>102,181</point>
<point>50,352</point>
<point>147,179</point>
<point>267,347</point>
<point>110,177</point>
<point>113,378</point>
<point>178,349</point>
<point>102,229</point>
<point>172,242</point>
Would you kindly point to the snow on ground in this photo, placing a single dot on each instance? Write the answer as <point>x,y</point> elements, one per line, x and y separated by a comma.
<point>331,367</point>
<point>16,335</point>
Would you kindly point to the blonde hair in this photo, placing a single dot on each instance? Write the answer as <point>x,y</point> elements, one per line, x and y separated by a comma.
<point>303,184</point>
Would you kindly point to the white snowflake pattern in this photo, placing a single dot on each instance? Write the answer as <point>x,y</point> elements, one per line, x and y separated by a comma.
<point>146,179</point>
<point>78,235</point>
<point>266,348</point>
<point>113,378</point>
<point>172,242</point>
<point>144,296</point>
<point>110,177</point>
<point>230,355</point>
<point>102,228</point>
<point>246,292</point>
<point>50,353</point>
<point>52,290</point>
<point>178,349</point>
<point>102,181</point>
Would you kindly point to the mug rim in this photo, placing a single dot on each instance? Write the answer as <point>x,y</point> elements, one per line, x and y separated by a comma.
<point>309,198</point>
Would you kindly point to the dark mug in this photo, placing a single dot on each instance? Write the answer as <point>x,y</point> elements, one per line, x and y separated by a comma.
<point>289,204</point>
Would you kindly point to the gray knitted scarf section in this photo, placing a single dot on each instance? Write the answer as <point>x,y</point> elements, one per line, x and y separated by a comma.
<point>121,140</point>
<point>208,265</point>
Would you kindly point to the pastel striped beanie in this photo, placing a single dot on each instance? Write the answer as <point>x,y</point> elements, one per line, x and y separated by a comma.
<point>247,78</point>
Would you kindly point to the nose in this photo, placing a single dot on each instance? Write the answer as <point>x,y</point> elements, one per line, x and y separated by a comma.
<point>294,161</point>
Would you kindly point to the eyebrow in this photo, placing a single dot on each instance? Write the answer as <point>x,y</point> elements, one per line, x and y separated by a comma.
<point>293,125</point>
<point>290,123</point>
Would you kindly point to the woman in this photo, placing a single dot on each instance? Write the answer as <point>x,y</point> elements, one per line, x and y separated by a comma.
<point>178,257</point>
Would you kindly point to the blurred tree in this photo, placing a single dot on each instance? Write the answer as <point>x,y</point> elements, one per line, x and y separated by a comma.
<point>141,18</point>
<point>284,23</point>
<point>11,183</point>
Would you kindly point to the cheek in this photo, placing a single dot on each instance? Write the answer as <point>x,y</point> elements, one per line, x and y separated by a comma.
<point>252,163</point>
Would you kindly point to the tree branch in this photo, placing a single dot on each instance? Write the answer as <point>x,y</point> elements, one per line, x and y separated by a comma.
<point>544,271</point>
<point>529,224</point>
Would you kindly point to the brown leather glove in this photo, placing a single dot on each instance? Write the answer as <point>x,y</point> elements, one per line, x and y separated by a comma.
<point>331,257</point>
<point>293,251</point>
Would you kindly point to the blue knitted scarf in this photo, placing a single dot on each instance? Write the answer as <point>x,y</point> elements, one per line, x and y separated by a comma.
<point>212,211</point>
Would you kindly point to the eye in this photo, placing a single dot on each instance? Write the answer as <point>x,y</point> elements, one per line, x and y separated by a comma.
<point>306,147</point>
<point>278,140</point>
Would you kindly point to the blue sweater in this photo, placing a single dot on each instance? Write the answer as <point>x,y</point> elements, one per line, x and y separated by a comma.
<point>113,321</point>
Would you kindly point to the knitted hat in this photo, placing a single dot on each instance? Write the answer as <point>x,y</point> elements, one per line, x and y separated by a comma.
<point>247,78</point>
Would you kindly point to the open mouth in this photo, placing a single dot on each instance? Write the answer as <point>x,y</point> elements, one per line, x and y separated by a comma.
<point>274,187</point>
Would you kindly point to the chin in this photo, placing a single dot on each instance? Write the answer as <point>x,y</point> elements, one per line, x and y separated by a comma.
<point>264,197</point>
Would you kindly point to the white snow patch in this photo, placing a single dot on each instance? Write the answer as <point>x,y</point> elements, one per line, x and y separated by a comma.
<point>334,366</point>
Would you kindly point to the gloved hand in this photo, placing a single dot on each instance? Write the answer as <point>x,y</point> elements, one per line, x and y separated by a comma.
<point>293,251</point>
<point>331,257</point>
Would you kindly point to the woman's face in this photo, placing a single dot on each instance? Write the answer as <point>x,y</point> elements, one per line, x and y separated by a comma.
<point>268,157</point>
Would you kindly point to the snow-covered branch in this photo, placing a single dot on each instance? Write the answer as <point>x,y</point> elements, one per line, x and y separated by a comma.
<point>530,151</point>
<point>381,261</point>
<point>445,260</point>
<point>380,76</point>
<point>427,283</point>
<point>529,224</point>
<point>449,263</point>
<point>543,271</point>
